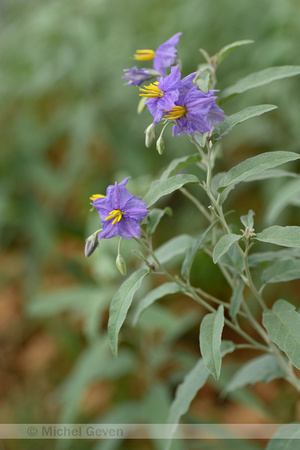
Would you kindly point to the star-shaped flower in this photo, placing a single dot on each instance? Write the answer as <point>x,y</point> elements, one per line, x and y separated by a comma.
<point>120,212</point>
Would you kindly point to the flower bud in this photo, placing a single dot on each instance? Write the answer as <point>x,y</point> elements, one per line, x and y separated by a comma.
<point>121,265</point>
<point>91,244</point>
<point>149,135</point>
<point>160,145</point>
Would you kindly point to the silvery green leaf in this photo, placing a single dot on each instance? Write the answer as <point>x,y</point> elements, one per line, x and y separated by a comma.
<point>284,196</point>
<point>172,248</point>
<point>233,260</point>
<point>229,48</point>
<point>282,322</point>
<point>257,258</point>
<point>264,368</point>
<point>286,236</point>
<point>210,340</point>
<point>248,220</point>
<point>236,299</point>
<point>256,165</point>
<point>286,438</point>
<point>191,253</point>
<point>166,186</point>
<point>224,244</point>
<point>259,79</point>
<point>178,164</point>
<point>230,122</point>
<point>152,296</point>
<point>282,270</point>
<point>155,216</point>
<point>120,304</point>
<point>185,393</point>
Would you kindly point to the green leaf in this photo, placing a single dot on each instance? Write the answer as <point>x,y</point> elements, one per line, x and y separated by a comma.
<point>256,165</point>
<point>286,438</point>
<point>120,305</point>
<point>185,393</point>
<point>286,236</point>
<point>172,248</point>
<point>191,253</point>
<point>155,216</point>
<point>248,220</point>
<point>152,296</point>
<point>94,363</point>
<point>178,164</point>
<point>236,299</point>
<point>283,326</point>
<point>210,340</point>
<point>271,173</point>
<point>286,195</point>
<point>283,270</point>
<point>159,188</point>
<point>230,122</point>
<point>224,244</point>
<point>233,260</point>
<point>264,368</point>
<point>259,79</point>
<point>258,258</point>
<point>229,48</point>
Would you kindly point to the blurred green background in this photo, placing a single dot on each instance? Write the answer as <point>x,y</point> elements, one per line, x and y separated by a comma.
<point>68,129</point>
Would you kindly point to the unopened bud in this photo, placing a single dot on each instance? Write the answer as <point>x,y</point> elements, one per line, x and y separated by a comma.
<point>141,105</point>
<point>121,265</point>
<point>91,244</point>
<point>150,135</point>
<point>160,145</point>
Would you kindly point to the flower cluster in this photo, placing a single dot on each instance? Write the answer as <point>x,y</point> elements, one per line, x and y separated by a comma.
<point>171,97</point>
<point>120,212</point>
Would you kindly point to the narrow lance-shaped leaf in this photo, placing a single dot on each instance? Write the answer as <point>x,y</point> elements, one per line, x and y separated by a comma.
<point>166,186</point>
<point>282,270</point>
<point>256,165</point>
<point>259,79</point>
<point>288,193</point>
<point>178,164</point>
<point>188,389</point>
<point>155,216</point>
<point>229,48</point>
<point>224,244</point>
<point>236,299</point>
<point>264,368</point>
<point>172,248</point>
<point>286,236</point>
<point>283,326</point>
<point>152,296</point>
<point>120,305</point>
<point>286,438</point>
<point>230,122</point>
<point>191,253</point>
<point>210,340</point>
<point>185,393</point>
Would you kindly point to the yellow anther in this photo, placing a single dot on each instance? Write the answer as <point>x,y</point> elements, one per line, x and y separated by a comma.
<point>151,91</point>
<point>116,214</point>
<point>144,55</point>
<point>176,112</point>
<point>95,196</point>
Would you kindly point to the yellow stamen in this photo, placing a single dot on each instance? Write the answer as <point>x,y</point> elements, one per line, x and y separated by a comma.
<point>176,112</point>
<point>95,196</point>
<point>151,91</point>
<point>116,214</point>
<point>144,55</point>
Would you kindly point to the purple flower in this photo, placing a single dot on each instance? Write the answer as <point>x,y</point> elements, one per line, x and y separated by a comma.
<point>162,94</point>
<point>163,57</point>
<point>135,76</point>
<point>120,212</point>
<point>195,111</point>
